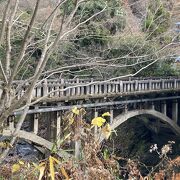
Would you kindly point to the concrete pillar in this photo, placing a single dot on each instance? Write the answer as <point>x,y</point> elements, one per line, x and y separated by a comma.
<point>36,123</point>
<point>11,123</point>
<point>175,111</point>
<point>152,105</point>
<point>111,117</point>
<point>78,133</point>
<point>125,108</point>
<point>47,117</point>
<point>53,126</point>
<point>164,107</point>
<point>58,126</point>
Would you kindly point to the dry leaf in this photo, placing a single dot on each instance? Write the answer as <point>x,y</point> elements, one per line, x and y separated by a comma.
<point>106,131</point>
<point>41,170</point>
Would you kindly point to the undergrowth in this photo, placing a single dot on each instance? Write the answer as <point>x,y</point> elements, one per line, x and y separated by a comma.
<point>91,160</point>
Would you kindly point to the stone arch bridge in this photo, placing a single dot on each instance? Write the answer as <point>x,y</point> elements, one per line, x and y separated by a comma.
<point>155,98</point>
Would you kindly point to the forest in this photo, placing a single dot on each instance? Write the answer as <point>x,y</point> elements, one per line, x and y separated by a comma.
<point>79,40</point>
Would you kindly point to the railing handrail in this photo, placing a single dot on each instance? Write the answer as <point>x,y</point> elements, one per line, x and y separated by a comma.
<point>77,88</point>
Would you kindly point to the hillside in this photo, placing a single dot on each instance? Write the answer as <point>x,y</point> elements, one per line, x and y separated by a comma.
<point>135,11</point>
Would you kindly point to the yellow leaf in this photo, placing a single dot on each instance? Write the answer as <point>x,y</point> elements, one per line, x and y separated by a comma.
<point>64,173</point>
<point>75,110</point>
<point>106,114</point>
<point>98,121</point>
<point>38,166</point>
<point>42,164</point>
<point>41,170</point>
<point>51,168</point>
<point>55,160</point>
<point>21,162</point>
<point>106,131</point>
<point>15,168</point>
<point>35,165</point>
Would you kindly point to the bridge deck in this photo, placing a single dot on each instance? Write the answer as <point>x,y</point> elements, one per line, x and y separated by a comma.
<point>61,90</point>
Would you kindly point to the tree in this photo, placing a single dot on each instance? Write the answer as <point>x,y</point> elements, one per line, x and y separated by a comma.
<point>27,41</point>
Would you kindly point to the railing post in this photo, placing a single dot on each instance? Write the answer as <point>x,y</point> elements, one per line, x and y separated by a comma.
<point>150,85</point>
<point>96,89</point>
<point>56,88</point>
<point>39,90</point>
<point>78,88</point>
<point>121,86</point>
<point>61,88</point>
<point>45,88</point>
<point>91,87</point>
<point>142,86</point>
<point>105,88</point>
<point>136,85</point>
<point>175,84</point>
<point>113,87</point>
<point>128,87</point>
<point>162,86</point>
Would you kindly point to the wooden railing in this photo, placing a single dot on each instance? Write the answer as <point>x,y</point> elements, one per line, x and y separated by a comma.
<point>78,88</point>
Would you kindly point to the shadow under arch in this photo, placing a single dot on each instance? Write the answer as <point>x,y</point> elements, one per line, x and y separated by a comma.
<point>125,116</point>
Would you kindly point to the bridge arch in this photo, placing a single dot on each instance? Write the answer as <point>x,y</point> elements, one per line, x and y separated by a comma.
<point>125,116</point>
